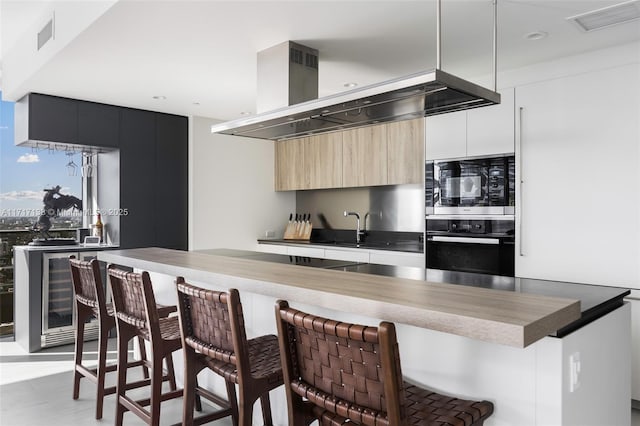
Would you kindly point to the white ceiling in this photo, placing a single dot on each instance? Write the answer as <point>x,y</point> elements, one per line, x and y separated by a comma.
<point>205,51</point>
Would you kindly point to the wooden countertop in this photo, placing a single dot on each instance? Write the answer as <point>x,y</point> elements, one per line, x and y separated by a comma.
<point>494,316</point>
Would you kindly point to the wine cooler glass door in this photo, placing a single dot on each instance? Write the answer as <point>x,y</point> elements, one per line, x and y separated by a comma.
<point>57,292</point>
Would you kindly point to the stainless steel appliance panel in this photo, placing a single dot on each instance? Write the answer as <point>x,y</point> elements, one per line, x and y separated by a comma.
<point>472,186</point>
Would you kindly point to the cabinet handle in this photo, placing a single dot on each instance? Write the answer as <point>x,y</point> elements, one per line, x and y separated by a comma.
<point>520,196</point>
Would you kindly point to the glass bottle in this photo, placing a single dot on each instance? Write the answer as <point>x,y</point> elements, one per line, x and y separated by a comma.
<point>97,229</point>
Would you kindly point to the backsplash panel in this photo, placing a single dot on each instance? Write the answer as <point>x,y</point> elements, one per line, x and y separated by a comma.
<point>397,208</point>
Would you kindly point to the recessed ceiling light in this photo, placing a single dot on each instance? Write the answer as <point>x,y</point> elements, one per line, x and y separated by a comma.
<point>196,103</point>
<point>245,113</point>
<point>160,97</point>
<point>351,84</point>
<point>536,35</point>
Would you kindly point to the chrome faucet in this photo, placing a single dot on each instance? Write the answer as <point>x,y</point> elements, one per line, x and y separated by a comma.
<point>358,232</point>
<point>364,228</point>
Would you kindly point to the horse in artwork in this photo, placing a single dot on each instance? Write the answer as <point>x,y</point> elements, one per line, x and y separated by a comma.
<point>54,203</point>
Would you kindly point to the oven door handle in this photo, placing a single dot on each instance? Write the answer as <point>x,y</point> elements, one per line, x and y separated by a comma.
<point>466,240</point>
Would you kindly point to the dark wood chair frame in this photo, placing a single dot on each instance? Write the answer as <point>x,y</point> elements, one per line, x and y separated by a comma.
<point>363,385</point>
<point>90,301</point>
<point>137,316</point>
<point>254,365</point>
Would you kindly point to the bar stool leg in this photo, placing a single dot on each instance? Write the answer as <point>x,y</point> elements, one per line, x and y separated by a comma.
<point>189,386</point>
<point>246,411</point>
<point>124,336</point>
<point>103,335</point>
<point>80,318</point>
<point>171,371</point>
<point>143,356</point>
<point>233,401</point>
<point>156,390</point>
<point>198,400</point>
<point>266,409</point>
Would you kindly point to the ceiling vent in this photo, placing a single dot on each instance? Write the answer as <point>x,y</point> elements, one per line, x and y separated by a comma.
<point>46,33</point>
<point>607,16</point>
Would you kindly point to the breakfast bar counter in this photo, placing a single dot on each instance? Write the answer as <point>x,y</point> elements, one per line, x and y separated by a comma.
<point>463,340</point>
<point>508,318</point>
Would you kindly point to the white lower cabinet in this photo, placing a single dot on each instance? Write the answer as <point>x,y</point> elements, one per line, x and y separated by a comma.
<point>272,248</point>
<point>305,251</point>
<point>397,258</point>
<point>347,255</point>
<point>382,257</point>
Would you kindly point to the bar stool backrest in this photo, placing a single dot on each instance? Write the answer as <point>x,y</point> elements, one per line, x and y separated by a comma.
<point>134,301</point>
<point>347,369</point>
<point>212,323</point>
<point>87,283</point>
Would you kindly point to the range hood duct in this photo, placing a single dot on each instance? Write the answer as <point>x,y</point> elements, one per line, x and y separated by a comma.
<point>417,95</point>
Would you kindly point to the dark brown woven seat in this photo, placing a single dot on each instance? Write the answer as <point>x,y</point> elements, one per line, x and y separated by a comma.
<point>342,373</point>
<point>214,337</point>
<point>137,316</point>
<point>90,302</point>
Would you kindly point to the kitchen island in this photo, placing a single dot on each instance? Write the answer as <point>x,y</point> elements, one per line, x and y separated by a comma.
<point>458,339</point>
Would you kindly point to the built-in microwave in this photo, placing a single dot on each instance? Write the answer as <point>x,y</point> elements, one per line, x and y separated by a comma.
<point>472,186</point>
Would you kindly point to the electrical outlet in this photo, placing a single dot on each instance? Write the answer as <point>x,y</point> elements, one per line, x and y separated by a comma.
<point>269,234</point>
<point>574,371</point>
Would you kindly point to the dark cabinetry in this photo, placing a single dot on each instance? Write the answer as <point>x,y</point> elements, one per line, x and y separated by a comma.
<point>171,197</point>
<point>98,124</point>
<point>147,151</point>
<point>137,178</point>
<point>50,119</point>
<point>153,179</point>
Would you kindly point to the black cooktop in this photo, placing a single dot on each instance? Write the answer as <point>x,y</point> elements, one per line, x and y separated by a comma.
<point>313,262</point>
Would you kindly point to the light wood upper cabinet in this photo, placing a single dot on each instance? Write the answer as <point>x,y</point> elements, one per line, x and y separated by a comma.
<point>289,167</point>
<point>405,152</point>
<point>364,156</point>
<point>323,161</point>
<point>386,154</point>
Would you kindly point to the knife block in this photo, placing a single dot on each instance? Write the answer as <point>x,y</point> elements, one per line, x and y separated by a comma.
<point>298,231</point>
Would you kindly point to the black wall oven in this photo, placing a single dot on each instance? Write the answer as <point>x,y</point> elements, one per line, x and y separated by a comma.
<point>470,206</point>
<point>484,246</point>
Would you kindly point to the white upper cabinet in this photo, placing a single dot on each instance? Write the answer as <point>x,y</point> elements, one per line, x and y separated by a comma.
<point>578,160</point>
<point>446,136</point>
<point>477,132</point>
<point>491,129</point>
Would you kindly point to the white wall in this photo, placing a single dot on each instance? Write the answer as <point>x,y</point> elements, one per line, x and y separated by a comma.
<point>231,198</point>
<point>21,62</point>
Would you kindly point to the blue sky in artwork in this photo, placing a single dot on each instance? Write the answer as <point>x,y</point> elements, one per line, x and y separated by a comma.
<point>25,172</point>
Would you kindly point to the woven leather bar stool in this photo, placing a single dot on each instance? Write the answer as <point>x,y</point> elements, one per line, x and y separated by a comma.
<point>214,337</point>
<point>90,301</point>
<point>341,373</point>
<point>137,316</point>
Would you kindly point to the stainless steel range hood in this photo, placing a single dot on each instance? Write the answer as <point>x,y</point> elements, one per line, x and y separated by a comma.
<point>417,95</point>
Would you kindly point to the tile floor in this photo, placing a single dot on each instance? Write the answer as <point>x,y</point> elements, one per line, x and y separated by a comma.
<point>35,389</point>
